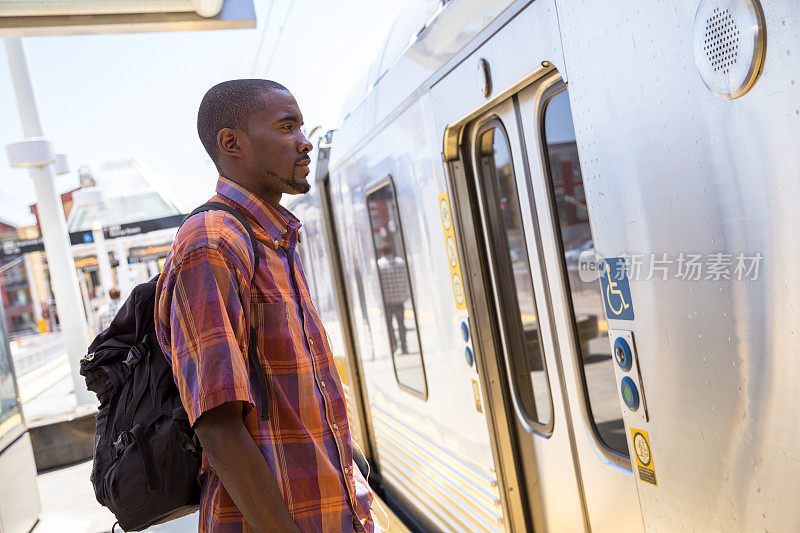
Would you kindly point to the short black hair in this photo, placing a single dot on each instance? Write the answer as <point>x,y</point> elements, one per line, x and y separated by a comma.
<point>229,105</point>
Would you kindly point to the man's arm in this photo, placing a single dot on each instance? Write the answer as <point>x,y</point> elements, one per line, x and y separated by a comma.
<point>242,469</point>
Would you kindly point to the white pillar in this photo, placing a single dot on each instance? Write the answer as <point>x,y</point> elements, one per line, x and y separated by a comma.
<point>124,278</point>
<point>87,304</point>
<point>54,228</point>
<point>104,265</point>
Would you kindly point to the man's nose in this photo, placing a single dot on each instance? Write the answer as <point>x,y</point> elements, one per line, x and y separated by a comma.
<point>305,145</point>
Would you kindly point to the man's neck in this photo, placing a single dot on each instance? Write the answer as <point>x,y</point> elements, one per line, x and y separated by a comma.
<point>271,198</point>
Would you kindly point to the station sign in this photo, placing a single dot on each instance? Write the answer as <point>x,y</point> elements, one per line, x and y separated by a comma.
<point>139,254</point>
<point>126,230</point>
<point>16,247</point>
<point>88,263</point>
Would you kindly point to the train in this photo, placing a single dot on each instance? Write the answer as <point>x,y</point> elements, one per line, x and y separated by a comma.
<point>550,241</point>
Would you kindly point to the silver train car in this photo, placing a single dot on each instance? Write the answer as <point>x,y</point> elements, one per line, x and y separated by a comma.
<point>551,242</point>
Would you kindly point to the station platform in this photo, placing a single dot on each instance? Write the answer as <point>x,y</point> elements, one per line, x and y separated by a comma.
<point>69,506</point>
<point>47,392</point>
<point>67,500</point>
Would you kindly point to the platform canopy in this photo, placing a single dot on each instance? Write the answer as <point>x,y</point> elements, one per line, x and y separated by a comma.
<point>19,18</point>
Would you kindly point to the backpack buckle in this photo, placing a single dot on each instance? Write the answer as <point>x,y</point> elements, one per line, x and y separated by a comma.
<point>134,355</point>
<point>122,442</point>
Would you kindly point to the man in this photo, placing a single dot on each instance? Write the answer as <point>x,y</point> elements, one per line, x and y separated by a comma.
<point>289,467</point>
<point>109,310</point>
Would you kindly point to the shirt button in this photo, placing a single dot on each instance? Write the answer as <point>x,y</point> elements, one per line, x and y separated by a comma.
<point>277,243</point>
<point>311,342</point>
<point>322,384</point>
<point>346,470</point>
<point>336,426</point>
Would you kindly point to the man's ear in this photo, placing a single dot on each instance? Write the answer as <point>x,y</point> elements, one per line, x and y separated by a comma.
<point>228,143</point>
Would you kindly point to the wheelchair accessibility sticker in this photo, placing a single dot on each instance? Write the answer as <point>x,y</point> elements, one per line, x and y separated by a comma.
<point>616,289</point>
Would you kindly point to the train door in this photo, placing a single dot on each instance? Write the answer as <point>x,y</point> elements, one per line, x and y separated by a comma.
<point>549,327</point>
<point>576,306</point>
<point>550,481</point>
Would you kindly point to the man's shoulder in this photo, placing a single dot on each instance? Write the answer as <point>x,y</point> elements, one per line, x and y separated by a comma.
<point>214,229</point>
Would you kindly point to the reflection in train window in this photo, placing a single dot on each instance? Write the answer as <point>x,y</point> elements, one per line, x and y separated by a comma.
<point>398,300</point>
<point>566,182</point>
<point>522,338</point>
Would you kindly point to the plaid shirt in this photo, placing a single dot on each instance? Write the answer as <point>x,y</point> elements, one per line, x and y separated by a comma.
<point>394,279</point>
<point>205,307</point>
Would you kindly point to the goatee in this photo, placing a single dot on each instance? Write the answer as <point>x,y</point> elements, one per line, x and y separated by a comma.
<point>301,186</point>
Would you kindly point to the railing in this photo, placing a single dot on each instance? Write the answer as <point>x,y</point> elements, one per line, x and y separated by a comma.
<point>31,352</point>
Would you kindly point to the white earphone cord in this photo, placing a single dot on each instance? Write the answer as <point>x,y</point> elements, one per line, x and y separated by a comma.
<point>375,501</point>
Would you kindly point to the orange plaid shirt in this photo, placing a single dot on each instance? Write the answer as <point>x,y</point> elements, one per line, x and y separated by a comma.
<point>206,305</point>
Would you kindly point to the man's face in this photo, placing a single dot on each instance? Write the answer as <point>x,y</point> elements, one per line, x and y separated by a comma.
<point>275,149</point>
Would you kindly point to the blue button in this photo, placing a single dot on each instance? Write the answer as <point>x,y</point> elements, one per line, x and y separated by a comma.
<point>622,354</point>
<point>465,331</point>
<point>468,356</point>
<point>630,395</point>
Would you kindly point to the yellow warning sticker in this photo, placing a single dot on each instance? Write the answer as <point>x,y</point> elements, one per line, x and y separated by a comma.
<point>476,391</point>
<point>452,251</point>
<point>644,456</point>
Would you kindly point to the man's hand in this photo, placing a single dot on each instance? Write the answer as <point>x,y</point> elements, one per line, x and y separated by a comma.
<point>242,469</point>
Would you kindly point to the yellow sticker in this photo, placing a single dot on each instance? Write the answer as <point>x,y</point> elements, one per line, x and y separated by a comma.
<point>644,456</point>
<point>452,251</point>
<point>476,391</point>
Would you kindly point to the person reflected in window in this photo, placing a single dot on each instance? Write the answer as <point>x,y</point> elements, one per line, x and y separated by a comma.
<point>109,310</point>
<point>394,282</point>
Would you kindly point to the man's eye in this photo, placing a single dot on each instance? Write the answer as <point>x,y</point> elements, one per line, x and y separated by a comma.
<point>287,127</point>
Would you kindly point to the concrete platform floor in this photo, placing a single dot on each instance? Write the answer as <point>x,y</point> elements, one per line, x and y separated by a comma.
<point>69,506</point>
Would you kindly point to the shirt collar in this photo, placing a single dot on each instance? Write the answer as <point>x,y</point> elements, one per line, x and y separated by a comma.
<point>281,225</point>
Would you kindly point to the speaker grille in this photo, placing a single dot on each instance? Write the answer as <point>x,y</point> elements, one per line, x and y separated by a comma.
<point>721,40</point>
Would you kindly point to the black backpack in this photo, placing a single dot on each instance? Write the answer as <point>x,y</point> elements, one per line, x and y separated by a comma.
<point>146,455</point>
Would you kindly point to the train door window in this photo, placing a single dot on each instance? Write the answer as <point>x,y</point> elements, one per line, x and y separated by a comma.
<point>590,323</point>
<point>520,318</point>
<point>395,286</point>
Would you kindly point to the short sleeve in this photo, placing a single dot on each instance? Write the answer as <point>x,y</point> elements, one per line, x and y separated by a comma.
<point>206,332</point>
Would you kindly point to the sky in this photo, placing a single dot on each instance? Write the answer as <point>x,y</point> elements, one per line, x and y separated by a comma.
<point>111,97</point>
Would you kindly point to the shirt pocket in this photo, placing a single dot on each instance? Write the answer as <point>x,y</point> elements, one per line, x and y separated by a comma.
<point>274,335</point>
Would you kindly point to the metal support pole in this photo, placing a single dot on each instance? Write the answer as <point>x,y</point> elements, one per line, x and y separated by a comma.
<point>124,277</point>
<point>54,228</point>
<point>103,263</point>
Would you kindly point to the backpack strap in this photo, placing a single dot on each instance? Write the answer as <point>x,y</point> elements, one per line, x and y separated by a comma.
<point>219,206</point>
<point>252,352</point>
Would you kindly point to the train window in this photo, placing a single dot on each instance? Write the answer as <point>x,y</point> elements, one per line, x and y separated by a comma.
<point>566,184</point>
<point>522,338</point>
<point>395,285</point>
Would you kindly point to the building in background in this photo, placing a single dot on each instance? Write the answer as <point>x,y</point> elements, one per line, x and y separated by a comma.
<point>140,218</point>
